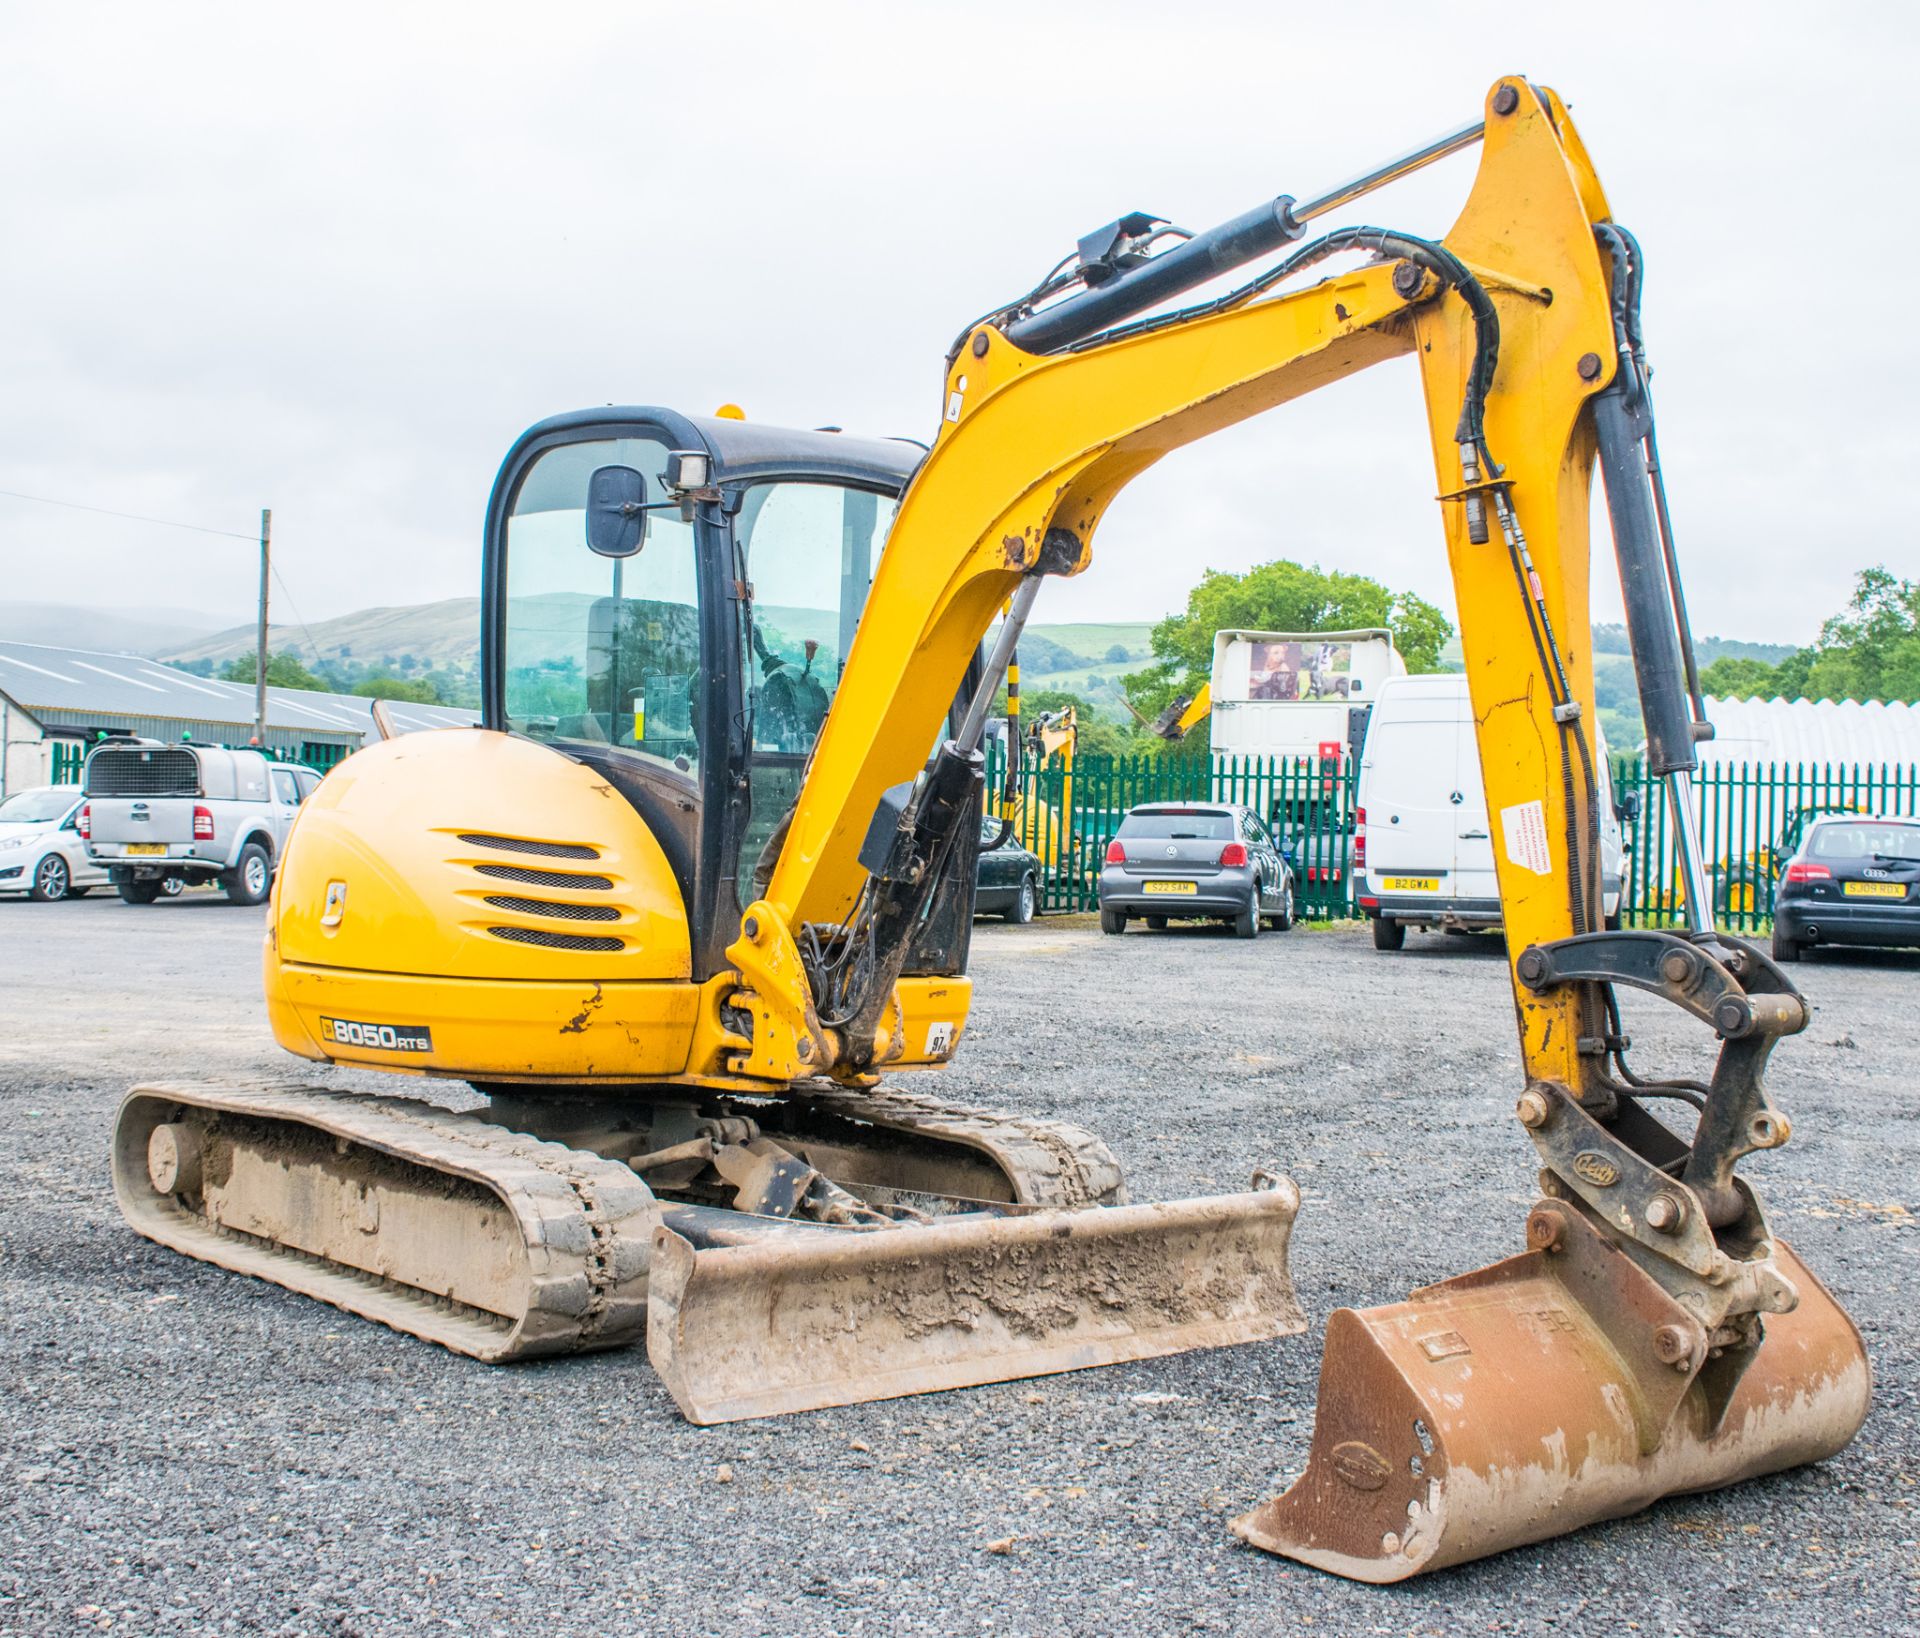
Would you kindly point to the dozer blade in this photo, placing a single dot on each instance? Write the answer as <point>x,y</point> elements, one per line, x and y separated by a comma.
<point>799,1321</point>
<point>489,1242</point>
<point>1496,1409</point>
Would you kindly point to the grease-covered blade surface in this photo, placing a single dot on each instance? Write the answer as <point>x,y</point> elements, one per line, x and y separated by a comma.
<point>1493,1410</point>
<point>801,1322</point>
<point>486,1241</point>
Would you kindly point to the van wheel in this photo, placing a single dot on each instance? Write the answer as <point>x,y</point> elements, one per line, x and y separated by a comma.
<point>1113,921</point>
<point>138,892</point>
<point>1388,935</point>
<point>250,878</point>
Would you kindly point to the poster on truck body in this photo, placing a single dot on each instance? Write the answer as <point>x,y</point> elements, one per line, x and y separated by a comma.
<point>1299,671</point>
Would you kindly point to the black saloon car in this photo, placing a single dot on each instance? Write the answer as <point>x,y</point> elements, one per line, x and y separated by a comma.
<point>1851,881</point>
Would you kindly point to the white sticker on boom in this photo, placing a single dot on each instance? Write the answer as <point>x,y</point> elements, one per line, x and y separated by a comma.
<point>939,1040</point>
<point>1525,825</point>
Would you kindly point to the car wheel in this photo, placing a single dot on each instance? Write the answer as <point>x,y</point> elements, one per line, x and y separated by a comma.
<point>138,892</point>
<point>1785,949</point>
<point>1247,923</point>
<point>1024,903</point>
<point>1282,920</point>
<point>1113,921</point>
<point>1157,924</point>
<point>251,876</point>
<point>51,880</point>
<point>1388,935</point>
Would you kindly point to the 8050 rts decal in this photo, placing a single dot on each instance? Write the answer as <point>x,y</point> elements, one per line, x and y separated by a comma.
<point>382,1037</point>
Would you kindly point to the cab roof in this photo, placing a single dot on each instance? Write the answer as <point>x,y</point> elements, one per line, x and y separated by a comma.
<point>750,449</point>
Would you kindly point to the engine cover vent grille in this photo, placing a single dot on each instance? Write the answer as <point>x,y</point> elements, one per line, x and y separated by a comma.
<point>555,941</point>
<point>519,844</point>
<point>546,907</point>
<point>544,878</point>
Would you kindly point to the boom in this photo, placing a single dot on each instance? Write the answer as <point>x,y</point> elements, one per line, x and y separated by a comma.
<point>1525,325</point>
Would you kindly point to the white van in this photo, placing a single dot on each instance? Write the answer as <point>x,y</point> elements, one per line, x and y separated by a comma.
<point>1422,847</point>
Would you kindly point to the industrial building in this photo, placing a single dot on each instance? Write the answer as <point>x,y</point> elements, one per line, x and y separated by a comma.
<point>67,698</point>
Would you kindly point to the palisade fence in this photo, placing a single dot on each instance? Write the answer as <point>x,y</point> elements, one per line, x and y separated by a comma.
<point>1750,816</point>
<point>1067,816</point>
<point>70,756</point>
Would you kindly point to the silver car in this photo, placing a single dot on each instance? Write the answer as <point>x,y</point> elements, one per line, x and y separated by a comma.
<point>41,850</point>
<point>1190,861</point>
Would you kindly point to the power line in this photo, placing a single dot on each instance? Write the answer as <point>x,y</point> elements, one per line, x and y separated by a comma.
<point>137,517</point>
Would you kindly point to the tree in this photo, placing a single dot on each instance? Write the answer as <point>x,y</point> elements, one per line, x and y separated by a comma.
<point>416,690</point>
<point>1733,678</point>
<point>1119,654</point>
<point>1280,596</point>
<point>1094,734</point>
<point>1868,651</point>
<point>283,671</point>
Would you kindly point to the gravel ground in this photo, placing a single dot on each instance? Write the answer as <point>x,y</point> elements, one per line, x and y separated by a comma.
<point>189,1451</point>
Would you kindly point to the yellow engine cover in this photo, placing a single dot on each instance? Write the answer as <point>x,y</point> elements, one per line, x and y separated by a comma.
<point>468,903</point>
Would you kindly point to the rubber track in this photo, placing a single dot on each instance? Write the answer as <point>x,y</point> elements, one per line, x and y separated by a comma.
<point>587,1222</point>
<point>1048,1162</point>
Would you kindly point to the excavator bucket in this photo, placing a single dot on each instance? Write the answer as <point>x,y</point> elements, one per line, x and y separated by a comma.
<point>799,1319</point>
<point>1526,1400</point>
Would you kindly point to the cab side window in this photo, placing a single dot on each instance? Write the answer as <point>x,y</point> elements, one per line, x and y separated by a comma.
<point>284,788</point>
<point>306,781</point>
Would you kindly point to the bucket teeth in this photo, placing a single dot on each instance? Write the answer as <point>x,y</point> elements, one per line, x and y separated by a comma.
<point>1493,1410</point>
<point>815,1318</point>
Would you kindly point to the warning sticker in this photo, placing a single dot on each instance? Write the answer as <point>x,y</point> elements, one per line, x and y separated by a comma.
<point>1525,826</point>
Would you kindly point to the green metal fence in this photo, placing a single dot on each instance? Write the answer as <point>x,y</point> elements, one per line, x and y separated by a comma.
<point>1751,817</point>
<point>1068,815</point>
<point>70,757</point>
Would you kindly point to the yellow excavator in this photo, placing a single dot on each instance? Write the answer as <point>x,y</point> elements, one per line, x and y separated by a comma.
<point>696,886</point>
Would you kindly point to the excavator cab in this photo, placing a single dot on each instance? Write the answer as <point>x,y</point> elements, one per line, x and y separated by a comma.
<point>690,657</point>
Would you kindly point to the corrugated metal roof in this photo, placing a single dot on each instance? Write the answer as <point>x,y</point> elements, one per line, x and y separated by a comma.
<point>1844,733</point>
<point>73,681</point>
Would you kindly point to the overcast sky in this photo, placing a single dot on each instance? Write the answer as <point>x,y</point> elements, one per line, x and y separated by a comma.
<point>333,259</point>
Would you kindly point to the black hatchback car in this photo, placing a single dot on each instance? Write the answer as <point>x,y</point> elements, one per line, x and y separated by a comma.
<point>1007,882</point>
<point>1852,880</point>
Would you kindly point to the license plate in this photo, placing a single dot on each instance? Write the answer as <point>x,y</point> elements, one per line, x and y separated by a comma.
<point>1170,887</point>
<point>1874,890</point>
<point>1410,884</point>
<point>143,850</point>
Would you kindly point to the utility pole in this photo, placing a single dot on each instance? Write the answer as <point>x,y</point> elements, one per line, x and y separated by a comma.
<point>260,637</point>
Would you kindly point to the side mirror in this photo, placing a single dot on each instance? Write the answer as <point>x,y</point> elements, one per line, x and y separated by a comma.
<point>616,511</point>
<point>1287,848</point>
<point>1630,807</point>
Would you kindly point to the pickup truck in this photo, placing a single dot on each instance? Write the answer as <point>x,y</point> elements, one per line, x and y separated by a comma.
<point>189,813</point>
